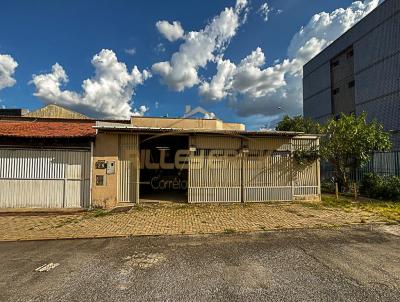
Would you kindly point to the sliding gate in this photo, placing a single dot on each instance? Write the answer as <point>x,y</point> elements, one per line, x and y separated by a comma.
<point>233,169</point>
<point>267,170</point>
<point>214,169</point>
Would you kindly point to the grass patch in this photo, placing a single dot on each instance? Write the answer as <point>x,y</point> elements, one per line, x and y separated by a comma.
<point>66,221</point>
<point>101,213</point>
<point>331,202</point>
<point>229,231</point>
<point>312,205</point>
<point>387,209</point>
<point>137,207</point>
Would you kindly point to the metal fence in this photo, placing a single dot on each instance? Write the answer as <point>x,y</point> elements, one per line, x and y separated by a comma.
<point>382,163</point>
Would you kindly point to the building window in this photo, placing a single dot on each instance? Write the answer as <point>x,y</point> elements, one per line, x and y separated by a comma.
<point>350,54</point>
<point>335,91</point>
<point>352,84</point>
<point>335,63</point>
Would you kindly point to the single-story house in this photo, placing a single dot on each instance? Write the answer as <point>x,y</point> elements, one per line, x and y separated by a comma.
<point>198,160</point>
<point>58,159</point>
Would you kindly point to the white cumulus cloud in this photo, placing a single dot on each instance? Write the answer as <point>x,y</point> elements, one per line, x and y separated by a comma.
<point>107,94</point>
<point>140,111</point>
<point>255,89</point>
<point>7,70</point>
<point>209,116</point>
<point>199,48</point>
<point>171,31</point>
<point>248,78</point>
<point>265,10</point>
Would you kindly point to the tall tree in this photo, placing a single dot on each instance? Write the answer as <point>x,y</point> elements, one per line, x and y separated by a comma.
<point>298,124</point>
<point>349,142</point>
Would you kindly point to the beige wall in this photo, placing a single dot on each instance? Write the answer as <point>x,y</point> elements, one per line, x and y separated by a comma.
<point>233,126</point>
<point>185,123</point>
<point>105,148</point>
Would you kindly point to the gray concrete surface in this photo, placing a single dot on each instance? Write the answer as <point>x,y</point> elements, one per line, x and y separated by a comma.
<point>348,264</point>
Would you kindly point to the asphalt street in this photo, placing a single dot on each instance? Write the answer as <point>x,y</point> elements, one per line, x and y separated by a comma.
<point>343,264</point>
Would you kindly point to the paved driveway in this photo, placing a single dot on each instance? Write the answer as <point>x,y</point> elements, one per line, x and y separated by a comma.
<point>349,264</point>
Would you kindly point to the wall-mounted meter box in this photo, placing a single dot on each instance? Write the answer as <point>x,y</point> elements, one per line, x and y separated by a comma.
<point>101,164</point>
<point>100,180</point>
<point>110,167</point>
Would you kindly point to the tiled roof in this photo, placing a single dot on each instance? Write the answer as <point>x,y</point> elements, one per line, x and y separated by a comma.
<point>46,129</point>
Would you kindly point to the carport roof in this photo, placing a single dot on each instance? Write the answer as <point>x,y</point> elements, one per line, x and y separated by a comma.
<point>107,126</point>
<point>46,129</point>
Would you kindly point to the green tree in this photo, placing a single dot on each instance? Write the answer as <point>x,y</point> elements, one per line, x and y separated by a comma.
<point>298,124</point>
<point>348,143</point>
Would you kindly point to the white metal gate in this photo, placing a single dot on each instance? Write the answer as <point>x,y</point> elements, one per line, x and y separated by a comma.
<point>267,177</point>
<point>214,170</point>
<point>307,178</point>
<point>44,178</point>
<point>267,170</point>
<point>220,170</point>
<point>128,178</point>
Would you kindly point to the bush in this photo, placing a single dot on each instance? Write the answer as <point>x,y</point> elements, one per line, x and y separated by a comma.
<point>381,187</point>
<point>328,186</point>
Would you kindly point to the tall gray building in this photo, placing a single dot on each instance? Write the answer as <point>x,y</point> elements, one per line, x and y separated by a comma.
<point>360,71</point>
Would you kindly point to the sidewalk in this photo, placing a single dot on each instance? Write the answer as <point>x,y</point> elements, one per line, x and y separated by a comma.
<point>170,219</point>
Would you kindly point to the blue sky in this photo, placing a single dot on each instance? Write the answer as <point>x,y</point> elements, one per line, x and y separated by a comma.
<point>38,34</point>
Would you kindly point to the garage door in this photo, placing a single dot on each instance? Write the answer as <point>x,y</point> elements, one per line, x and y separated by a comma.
<point>44,178</point>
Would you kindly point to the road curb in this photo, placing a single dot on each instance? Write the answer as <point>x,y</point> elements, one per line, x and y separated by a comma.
<point>353,225</point>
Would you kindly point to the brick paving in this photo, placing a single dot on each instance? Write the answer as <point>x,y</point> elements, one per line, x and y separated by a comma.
<point>170,219</point>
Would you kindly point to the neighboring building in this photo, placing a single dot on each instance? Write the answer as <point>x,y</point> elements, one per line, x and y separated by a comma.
<point>55,111</point>
<point>45,164</point>
<point>359,72</point>
<point>12,112</point>
<point>48,111</point>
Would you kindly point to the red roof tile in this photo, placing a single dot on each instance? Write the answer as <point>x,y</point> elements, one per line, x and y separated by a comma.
<point>46,129</point>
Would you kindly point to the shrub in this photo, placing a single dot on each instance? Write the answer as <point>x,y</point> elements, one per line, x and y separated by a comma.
<point>328,186</point>
<point>381,187</point>
<point>371,185</point>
